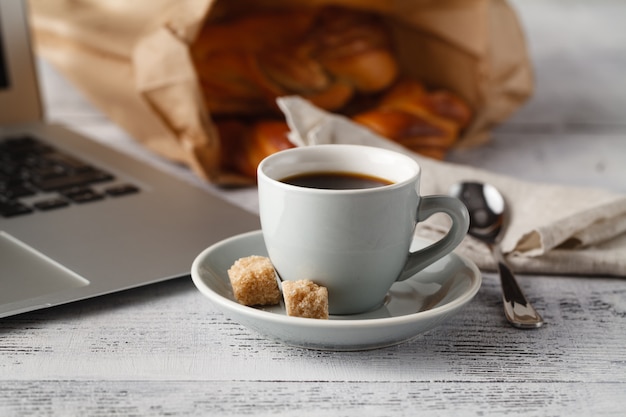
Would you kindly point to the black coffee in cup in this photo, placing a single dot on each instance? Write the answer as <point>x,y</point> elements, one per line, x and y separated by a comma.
<point>335,180</point>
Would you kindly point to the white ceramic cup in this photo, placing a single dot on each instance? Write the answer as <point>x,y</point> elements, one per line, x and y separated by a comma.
<point>354,242</point>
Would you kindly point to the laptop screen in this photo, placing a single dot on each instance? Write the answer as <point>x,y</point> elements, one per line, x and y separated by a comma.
<point>19,91</point>
<point>4,75</point>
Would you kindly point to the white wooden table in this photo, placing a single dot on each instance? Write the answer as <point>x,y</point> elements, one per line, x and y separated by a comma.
<point>164,350</point>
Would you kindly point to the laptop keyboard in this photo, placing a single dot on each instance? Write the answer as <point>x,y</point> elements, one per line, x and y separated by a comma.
<point>35,176</point>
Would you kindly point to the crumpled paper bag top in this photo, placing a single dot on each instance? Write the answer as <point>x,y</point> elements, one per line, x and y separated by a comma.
<point>131,58</point>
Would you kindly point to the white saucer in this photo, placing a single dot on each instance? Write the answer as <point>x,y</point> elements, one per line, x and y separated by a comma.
<point>411,307</point>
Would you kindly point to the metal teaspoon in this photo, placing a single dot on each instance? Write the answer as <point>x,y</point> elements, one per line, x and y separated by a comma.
<point>487,212</point>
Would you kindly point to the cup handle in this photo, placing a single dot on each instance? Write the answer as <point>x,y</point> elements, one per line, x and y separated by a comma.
<point>428,206</point>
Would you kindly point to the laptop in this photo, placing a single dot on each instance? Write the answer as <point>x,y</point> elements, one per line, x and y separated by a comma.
<point>78,219</point>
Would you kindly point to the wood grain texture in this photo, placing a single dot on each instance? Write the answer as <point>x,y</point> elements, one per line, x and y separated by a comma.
<point>295,398</point>
<point>165,350</point>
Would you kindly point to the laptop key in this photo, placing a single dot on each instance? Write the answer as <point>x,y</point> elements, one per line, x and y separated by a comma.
<point>10,208</point>
<point>44,173</point>
<point>120,190</point>
<point>11,188</point>
<point>51,204</point>
<point>82,178</point>
<point>66,161</point>
<point>82,195</point>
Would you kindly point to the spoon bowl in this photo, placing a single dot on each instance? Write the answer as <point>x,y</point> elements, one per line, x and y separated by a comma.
<point>488,218</point>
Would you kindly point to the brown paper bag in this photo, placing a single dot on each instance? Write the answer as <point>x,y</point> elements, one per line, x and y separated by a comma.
<point>131,58</point>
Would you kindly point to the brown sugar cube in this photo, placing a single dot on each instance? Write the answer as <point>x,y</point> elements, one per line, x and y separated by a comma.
<point>254,281</point>
<point>304,298</point>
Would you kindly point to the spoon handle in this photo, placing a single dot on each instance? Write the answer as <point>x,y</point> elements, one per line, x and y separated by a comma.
<point>517,309</point>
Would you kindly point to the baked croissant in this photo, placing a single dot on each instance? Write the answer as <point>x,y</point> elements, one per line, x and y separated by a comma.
<point>427,123</point>
<point>246,143</point>
<point>325,55</point>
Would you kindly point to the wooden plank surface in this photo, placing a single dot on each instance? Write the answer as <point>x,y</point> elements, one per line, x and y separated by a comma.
<point>165,345</point>
<point>164,350</point>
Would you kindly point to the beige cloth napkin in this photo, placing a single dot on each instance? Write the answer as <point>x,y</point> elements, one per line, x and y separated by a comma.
<point>553,229</point>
